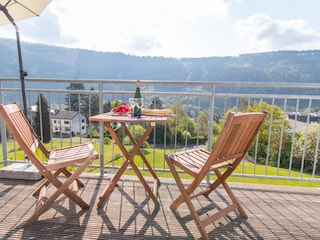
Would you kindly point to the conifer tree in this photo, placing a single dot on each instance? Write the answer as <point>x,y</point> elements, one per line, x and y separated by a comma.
<point>72,100</point>
<point>42,119</point>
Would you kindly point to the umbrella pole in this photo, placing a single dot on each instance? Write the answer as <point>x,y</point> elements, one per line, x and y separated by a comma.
<point>22,73</point>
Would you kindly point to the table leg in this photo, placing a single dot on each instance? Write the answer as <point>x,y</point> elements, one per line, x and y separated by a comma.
<point>136,149</point>
<point>129,160</point>
<point>146,162</point>
<point>119,173</point>
<point>112,183</point>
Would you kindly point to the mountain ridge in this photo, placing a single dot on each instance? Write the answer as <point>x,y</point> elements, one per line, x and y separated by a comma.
<point>47,61</point>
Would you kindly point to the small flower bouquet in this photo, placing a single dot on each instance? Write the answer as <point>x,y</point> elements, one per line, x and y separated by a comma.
<point>119,107</point>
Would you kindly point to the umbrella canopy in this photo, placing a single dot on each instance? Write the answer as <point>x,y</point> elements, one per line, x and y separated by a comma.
<point>16,10</point>
<point>21,9</point>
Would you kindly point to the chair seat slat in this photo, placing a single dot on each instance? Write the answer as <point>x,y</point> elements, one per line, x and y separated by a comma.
<point>58,160</point>
<point>233,143</point>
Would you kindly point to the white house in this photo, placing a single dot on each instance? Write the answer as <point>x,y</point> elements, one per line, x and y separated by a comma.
<point>67,122</point>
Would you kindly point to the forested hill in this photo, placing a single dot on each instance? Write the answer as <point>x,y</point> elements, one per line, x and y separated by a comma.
<point>44,61</point>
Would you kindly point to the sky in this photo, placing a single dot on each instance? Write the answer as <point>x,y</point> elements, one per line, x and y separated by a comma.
<point>175,28</point>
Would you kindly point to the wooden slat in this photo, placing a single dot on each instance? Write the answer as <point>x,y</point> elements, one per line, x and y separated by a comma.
<point>233,143</point>
<point>276,212</point>
<point>41,198</point>
<point>111,117</point>
<point>58,160</point>
<point>219,214</point>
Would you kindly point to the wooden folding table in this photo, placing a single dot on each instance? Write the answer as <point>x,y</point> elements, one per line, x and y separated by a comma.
<point>108,119</point>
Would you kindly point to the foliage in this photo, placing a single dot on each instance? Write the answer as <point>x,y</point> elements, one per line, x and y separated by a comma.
<point>107,107</point>
<point>202,124</point>
<point>41,121</point>
<point>279,126</point>
<point>118,106</point>
<point>93,131</point>
<point>88,103</point>
<point>107,140</point>
<point>136,130</point>
<point>159,133</point>
<point>309,141</point>
<point>156,103</point>
<point>275,124</point>
<point>246,168</point>
<point>279,66</point>
<point>266,150</point>
<point>94,125</point>
<point>182,126</point>
<point>91,107</point>
<point>74,100</point>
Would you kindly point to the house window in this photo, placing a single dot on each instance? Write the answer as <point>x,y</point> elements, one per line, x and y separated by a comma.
<point>54,121</point>
<point>66,122</point>
<point>82,127</point>
<point>67,129</point>
<point>82,120</point>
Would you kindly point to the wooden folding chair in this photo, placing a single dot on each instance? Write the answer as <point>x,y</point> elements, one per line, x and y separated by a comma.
<point>57,161</point>
<point>234,141</point>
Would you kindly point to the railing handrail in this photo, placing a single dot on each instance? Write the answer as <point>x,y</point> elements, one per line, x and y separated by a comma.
<point>208,91</point>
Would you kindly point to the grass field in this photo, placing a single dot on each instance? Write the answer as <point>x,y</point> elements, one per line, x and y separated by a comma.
<point>156,159</point>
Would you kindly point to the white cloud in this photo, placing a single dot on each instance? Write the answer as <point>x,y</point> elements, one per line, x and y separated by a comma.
<point>173,28</point>
<point>140,27</point>
<point>262,33</point>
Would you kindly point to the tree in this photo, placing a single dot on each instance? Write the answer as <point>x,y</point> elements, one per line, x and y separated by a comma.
<point>90,104</point>
<point>279,134</point>
<point>107,107</point>
<point>156,103</point>
<point>74,100</point>
<point>279,128</point>
<point>202,124</point>
<point>182,125</point>
<point>306,160</point>
<point>159,137</point>
<point>137,130</point>
<point>42,119</point>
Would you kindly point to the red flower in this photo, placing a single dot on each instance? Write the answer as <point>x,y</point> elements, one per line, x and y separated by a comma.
<point>122,109</point>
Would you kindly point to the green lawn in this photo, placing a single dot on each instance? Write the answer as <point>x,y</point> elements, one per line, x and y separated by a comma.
<point>159,163</point>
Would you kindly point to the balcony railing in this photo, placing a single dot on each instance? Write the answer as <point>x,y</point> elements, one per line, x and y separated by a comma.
<point>291,136</point>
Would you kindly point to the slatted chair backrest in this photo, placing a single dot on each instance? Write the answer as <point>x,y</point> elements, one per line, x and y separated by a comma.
<point>235,139</point>
<point>22,132</point>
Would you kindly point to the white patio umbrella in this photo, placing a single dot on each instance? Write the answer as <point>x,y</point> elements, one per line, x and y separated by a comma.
<point>16,10</point>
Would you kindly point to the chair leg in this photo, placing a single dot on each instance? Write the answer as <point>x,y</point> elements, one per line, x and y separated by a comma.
<point>68,174</point>
<point>56,174</point>
<point>61,188</point>
<point>72,195</point>
<point>186,198</point>
<point>221,180</point>
<point>45,183</point>
<point>179,200</point>
<point>234,200</point>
